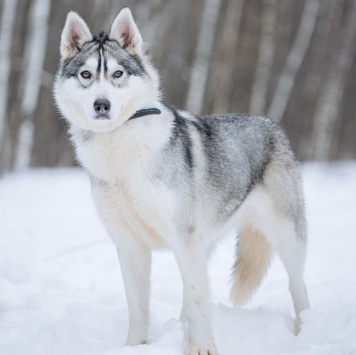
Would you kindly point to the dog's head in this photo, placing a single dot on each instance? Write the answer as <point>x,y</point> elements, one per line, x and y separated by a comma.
<point>104,79</point>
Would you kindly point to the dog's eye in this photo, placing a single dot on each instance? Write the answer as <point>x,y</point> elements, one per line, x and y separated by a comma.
<point>85,74</point>
<point>117,74</point>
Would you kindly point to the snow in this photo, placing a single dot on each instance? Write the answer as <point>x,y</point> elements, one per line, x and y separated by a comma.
<point>61,290</point>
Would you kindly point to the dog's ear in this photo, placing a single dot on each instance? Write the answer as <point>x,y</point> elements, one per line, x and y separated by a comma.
<point>125,32</point>
<point>74,35</point>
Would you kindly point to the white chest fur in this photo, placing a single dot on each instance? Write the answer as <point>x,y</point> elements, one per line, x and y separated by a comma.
<point>118,154</point>
<point>139,208</point>
<point>127,194</point>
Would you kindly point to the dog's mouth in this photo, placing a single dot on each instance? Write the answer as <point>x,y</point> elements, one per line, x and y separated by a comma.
<point>102,117</point>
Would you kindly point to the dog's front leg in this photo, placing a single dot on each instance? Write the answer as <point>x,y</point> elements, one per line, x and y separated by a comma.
<point>192,261</point>
<point>135,261</point>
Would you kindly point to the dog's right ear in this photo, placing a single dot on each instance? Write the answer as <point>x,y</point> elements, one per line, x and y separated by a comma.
<point>75,34</point>
<point>125,32</point>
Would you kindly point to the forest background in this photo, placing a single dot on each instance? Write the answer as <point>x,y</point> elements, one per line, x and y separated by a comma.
<point>291,60</point>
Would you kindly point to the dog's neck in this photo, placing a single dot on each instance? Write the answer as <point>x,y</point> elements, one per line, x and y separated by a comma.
<point>117,154</point>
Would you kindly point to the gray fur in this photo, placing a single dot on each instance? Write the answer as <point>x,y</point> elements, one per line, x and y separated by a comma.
<point>238,150</point>
<point>109,48</point>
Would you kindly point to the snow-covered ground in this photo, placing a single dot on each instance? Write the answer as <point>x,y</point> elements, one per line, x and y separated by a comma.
<point>61,290</point>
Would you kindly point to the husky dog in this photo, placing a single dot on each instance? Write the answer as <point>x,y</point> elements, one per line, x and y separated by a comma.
<point>166,178</point>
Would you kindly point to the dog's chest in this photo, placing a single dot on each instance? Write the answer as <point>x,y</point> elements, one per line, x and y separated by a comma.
<point>129,196</point>
<point>137,207</point>
<point>105,158</point>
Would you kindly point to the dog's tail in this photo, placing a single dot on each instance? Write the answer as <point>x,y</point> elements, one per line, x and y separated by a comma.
<point>253,257</point>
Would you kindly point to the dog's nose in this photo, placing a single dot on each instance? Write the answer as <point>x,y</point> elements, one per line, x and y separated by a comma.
<point>102,106</point>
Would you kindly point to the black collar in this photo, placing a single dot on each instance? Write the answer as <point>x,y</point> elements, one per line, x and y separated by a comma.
<point>145,112</point>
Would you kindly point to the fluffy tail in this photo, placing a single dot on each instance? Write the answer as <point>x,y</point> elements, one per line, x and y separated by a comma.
<point>253,257</point>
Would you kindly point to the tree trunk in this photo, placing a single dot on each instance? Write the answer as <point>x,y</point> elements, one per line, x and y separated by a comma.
<point>265,59</point>
<point>200,68</point>
<point>294,60</point>
<point>35,50</point>
<point>328,105</point>
<point>6,38</point>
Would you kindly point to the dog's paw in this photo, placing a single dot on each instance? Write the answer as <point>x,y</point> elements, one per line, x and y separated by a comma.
<point>297,325</point>
<point>132,342</point>
<point>183,316</point>
<point>136,336</point>
<point>202,350</point>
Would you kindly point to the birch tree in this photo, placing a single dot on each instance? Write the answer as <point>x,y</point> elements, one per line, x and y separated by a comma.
<point>6,37</point>
<point>329,23</point>
<point>294,60</point>
<point>200,68</point>
<point>329,101</point>
<point>35,50</point>
<point>226,46</point>
<point>265,58</point>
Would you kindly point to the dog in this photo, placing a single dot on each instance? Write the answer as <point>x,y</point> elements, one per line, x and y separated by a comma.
<point>166,178</point>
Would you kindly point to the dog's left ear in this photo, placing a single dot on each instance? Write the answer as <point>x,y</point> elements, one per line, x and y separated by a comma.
<point>125,32</point>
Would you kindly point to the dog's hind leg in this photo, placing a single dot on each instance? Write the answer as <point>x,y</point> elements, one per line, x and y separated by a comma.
<point>292,251</point>
<point>268,228</point>
<point>283,219</point>
<point>288,229</point>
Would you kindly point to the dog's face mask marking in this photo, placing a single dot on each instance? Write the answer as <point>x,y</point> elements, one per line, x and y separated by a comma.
<point>103,78</point>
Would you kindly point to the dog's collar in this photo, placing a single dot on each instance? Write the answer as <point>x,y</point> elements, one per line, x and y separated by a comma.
<point>145,112</point>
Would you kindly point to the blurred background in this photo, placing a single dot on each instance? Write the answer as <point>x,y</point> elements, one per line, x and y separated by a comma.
<point>294,61</point>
